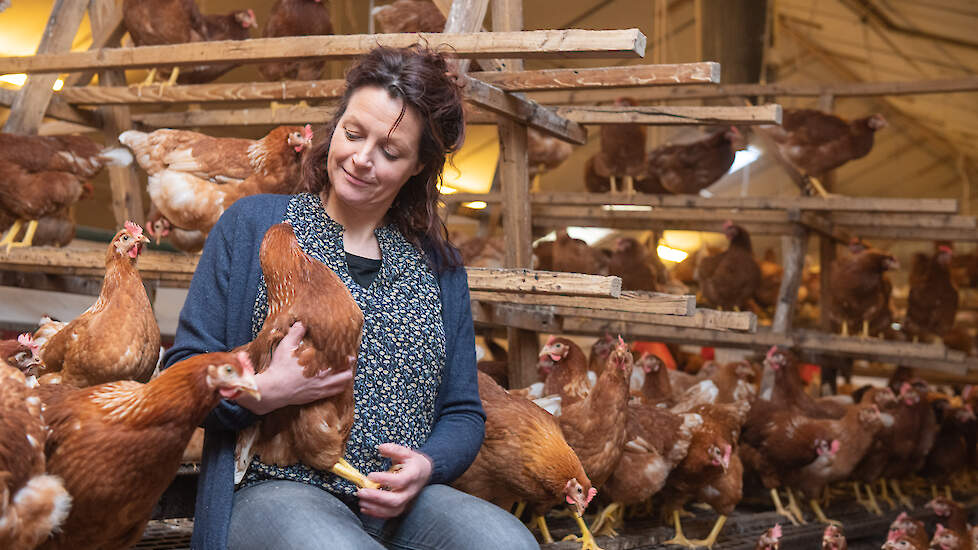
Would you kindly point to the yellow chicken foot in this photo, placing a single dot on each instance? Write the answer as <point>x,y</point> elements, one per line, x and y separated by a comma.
<point>821,515</point>
<point>173,78</point>
<point>679,539</point>
<point>947,492</point>
<point>795,509</point>
<point>614,185</point>
<point>28,236</point>
<point>148,80</point>
<point>904,500</point>
<point>535,184</point>
<point>711,539</point>
<point>346,470</point>
<point>865,333</point>
<point>586,539</point>
<point>873,506</point>
<point>780,509</point>
<point>604,523</point>
<point>520,506</point>
<point>629,185</point>
<point>885,496</point>
<point>845,328</point>
<point>933,491</point>
<point>8,236</point>
<point>541,523</point>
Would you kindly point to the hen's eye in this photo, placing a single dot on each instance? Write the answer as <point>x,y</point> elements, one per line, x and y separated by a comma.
<point>580,490</point>
<point>125,237</point>
<point>228,369</point>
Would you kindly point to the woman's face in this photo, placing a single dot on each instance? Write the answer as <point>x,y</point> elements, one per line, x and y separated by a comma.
<point>366,169</point>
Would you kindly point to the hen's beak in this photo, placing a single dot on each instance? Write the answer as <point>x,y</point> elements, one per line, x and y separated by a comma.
<point>247,384</point>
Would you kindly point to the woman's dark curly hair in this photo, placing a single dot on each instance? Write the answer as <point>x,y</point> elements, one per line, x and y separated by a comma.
<point>421,78</point>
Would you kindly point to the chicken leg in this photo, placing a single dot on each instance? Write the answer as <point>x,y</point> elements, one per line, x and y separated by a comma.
<point>711,539</point>
<point>817,508</point>
<point>873,506</point>
<point>679,538</point>
<point>780,509</point>
<point>541,523</point>
<point>795,509</point>
<point>346,470</point>
<point>8,238</point>
<point>629,185</point>
<point>520,506</point>
<point>885,495</point>
<point>614,186</point>
<point>606,520</point>
<point>586,539</point>
<point>904,500</point>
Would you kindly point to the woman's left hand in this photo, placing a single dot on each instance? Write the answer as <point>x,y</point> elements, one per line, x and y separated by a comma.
<point>409,474</point>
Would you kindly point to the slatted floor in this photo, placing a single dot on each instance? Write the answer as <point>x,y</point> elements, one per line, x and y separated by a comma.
<point>863,530</point>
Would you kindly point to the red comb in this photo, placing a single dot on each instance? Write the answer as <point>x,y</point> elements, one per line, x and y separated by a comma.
<point>728,224</point>
<point>776,531</point>
<point>590,495</point>
<point>133,229</point>
<point>772,351</point>
<point>551,340</point>
<point>945,248</point>
<point>26,340</point>
<point>835,446</point>
<point>307,131</point>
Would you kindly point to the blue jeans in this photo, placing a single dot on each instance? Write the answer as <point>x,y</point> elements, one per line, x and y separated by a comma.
<point>282,515</point>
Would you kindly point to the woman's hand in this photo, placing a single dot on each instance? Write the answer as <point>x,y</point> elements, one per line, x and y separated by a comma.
<point>283,382</point>
<point>409,474</point>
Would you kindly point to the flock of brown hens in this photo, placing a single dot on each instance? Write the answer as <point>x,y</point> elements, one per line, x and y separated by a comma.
<point>633,433</point>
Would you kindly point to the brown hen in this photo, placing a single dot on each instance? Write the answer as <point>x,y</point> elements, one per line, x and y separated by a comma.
<point>409,16</point>
<point>118,446</point>
<point>41,175</point>
<point>236,25</point>
<point>730,278</point>
<point>524,458</point>
<point>622,156</point>
<point>692,167</point>
<point>818,142</point>
<point>860,291</point>
<point>117,338</point>
<point>32,504</point>
<point>301,288</point>
<point>296,18</point>
<point>933,301</point>
<point>630,261</point>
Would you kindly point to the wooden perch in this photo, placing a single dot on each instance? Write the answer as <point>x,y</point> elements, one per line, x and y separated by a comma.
<point>548,44</point>
<point>630,301</point>
<point>543,282</point>
<point>552,318</point>
<point>517,81</point>
<point>665,115</point>
<point>520,109</point>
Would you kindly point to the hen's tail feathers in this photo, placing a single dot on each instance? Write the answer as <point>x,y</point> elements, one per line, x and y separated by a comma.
<point>134,140</point>
<point>116,156</point>
<point>37,510</point>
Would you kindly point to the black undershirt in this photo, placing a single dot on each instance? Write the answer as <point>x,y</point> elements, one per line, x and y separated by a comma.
<point>363,270</point>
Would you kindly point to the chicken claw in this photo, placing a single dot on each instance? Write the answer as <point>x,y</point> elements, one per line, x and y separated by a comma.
<point>795,509</point>
<point>711,539</point>
<point>885,495</point>
<point>817,508</point>
<point>779,508</point>
<point>586,539</point>
<point>346,470</point>
<point>679,538</point>
<point>607,520</point>
<point>8,238</point>
<point>904,499</point>
<point>870,504</point>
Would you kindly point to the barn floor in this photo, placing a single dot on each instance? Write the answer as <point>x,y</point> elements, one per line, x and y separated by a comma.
<point>864,531</point>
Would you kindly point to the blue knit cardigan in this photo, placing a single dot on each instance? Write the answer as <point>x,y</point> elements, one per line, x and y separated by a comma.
<point>217,317</point>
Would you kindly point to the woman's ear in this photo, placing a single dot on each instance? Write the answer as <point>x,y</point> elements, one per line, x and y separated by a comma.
<point>418,169</point>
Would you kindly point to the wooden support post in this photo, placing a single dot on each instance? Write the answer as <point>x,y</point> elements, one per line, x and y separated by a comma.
<point>127,199</point>
<point>514,180</point>
<point>793,249</point>
<point>31,102</point>
<point>465,16</point>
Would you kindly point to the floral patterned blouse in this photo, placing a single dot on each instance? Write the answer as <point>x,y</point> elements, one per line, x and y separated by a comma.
<point>402,351</point>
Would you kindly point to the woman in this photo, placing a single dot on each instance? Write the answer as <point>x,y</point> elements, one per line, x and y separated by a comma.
<point>370,215</point>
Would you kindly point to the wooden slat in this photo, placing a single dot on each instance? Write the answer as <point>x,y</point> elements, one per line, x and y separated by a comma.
<point>57,109</point>
<point>163,266</point>
<point>631,301</point>
<point>793,249</point>
<point>701,318</point>
<point>548,44</point>
<point>539,319</point>
<point>835,204</point>
<point>520,81</point>
<point>668,116</point>
<point>543,282</point>
<point>30,104</point>
<point>465,16</point>
<point>522,110</point>
<point>237,117</point>
<point>109,35</point>
<point>776,89</point>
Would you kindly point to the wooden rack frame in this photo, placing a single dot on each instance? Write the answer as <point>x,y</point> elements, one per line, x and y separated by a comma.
<point>524,300</point>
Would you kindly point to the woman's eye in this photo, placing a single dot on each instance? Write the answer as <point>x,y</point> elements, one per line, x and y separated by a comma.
<point>390,156</point>
<point>350,135</point>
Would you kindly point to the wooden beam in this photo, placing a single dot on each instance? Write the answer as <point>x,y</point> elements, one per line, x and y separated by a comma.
<point>518,81</point>
<point>701,318</point>
<point>56,109</point>
<point>127,197</point>
<point>669,116</point>
<point>30,104</point>
<point>560,44</point>
<point>525,319</point>
<point>519,109</point>
<point>166,267</point>
<point>109,35</point>
<point>833,204</point>
<point>793,248</point>
<point>776,89</point>
<point>237,117</point>
<point>543,282</point>
<point>630,301</point>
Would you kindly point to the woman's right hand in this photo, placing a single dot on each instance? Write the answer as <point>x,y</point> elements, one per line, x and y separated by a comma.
<point>283,383</point>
